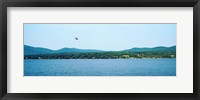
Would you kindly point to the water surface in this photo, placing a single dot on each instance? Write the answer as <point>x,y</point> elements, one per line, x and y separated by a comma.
<point>100,67</point>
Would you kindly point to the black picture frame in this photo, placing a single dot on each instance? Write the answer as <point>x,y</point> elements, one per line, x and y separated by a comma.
<point>99,3</point>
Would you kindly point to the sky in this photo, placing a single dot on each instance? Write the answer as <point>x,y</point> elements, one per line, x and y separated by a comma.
<point>99,36</point>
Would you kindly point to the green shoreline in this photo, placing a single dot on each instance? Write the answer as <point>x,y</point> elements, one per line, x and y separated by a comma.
<point>104,55</point>
<point>111,58</point>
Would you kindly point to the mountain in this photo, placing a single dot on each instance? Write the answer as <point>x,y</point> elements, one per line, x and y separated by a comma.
<point>172,48</point>
<point>65,50</point>
<point>28,50</point>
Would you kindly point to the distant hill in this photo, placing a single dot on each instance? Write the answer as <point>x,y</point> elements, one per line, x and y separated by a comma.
<point>65,50</point>
<point>74,53</point>
<point>173,48</point>
<point>29,50</point>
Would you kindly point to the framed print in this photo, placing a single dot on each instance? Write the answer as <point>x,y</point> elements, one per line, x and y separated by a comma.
<point>83,49</point>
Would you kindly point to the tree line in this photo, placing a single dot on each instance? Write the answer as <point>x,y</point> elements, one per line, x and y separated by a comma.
<point>105,55</point>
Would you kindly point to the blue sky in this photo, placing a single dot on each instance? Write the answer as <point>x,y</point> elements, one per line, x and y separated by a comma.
<point>99,36</point>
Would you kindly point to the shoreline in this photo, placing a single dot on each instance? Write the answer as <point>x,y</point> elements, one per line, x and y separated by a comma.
<point>99,59</point>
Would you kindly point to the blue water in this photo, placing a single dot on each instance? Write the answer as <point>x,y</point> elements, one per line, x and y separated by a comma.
<point>100,67</point>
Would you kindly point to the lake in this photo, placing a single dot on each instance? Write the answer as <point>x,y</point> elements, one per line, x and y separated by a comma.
<point>100,67</point>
